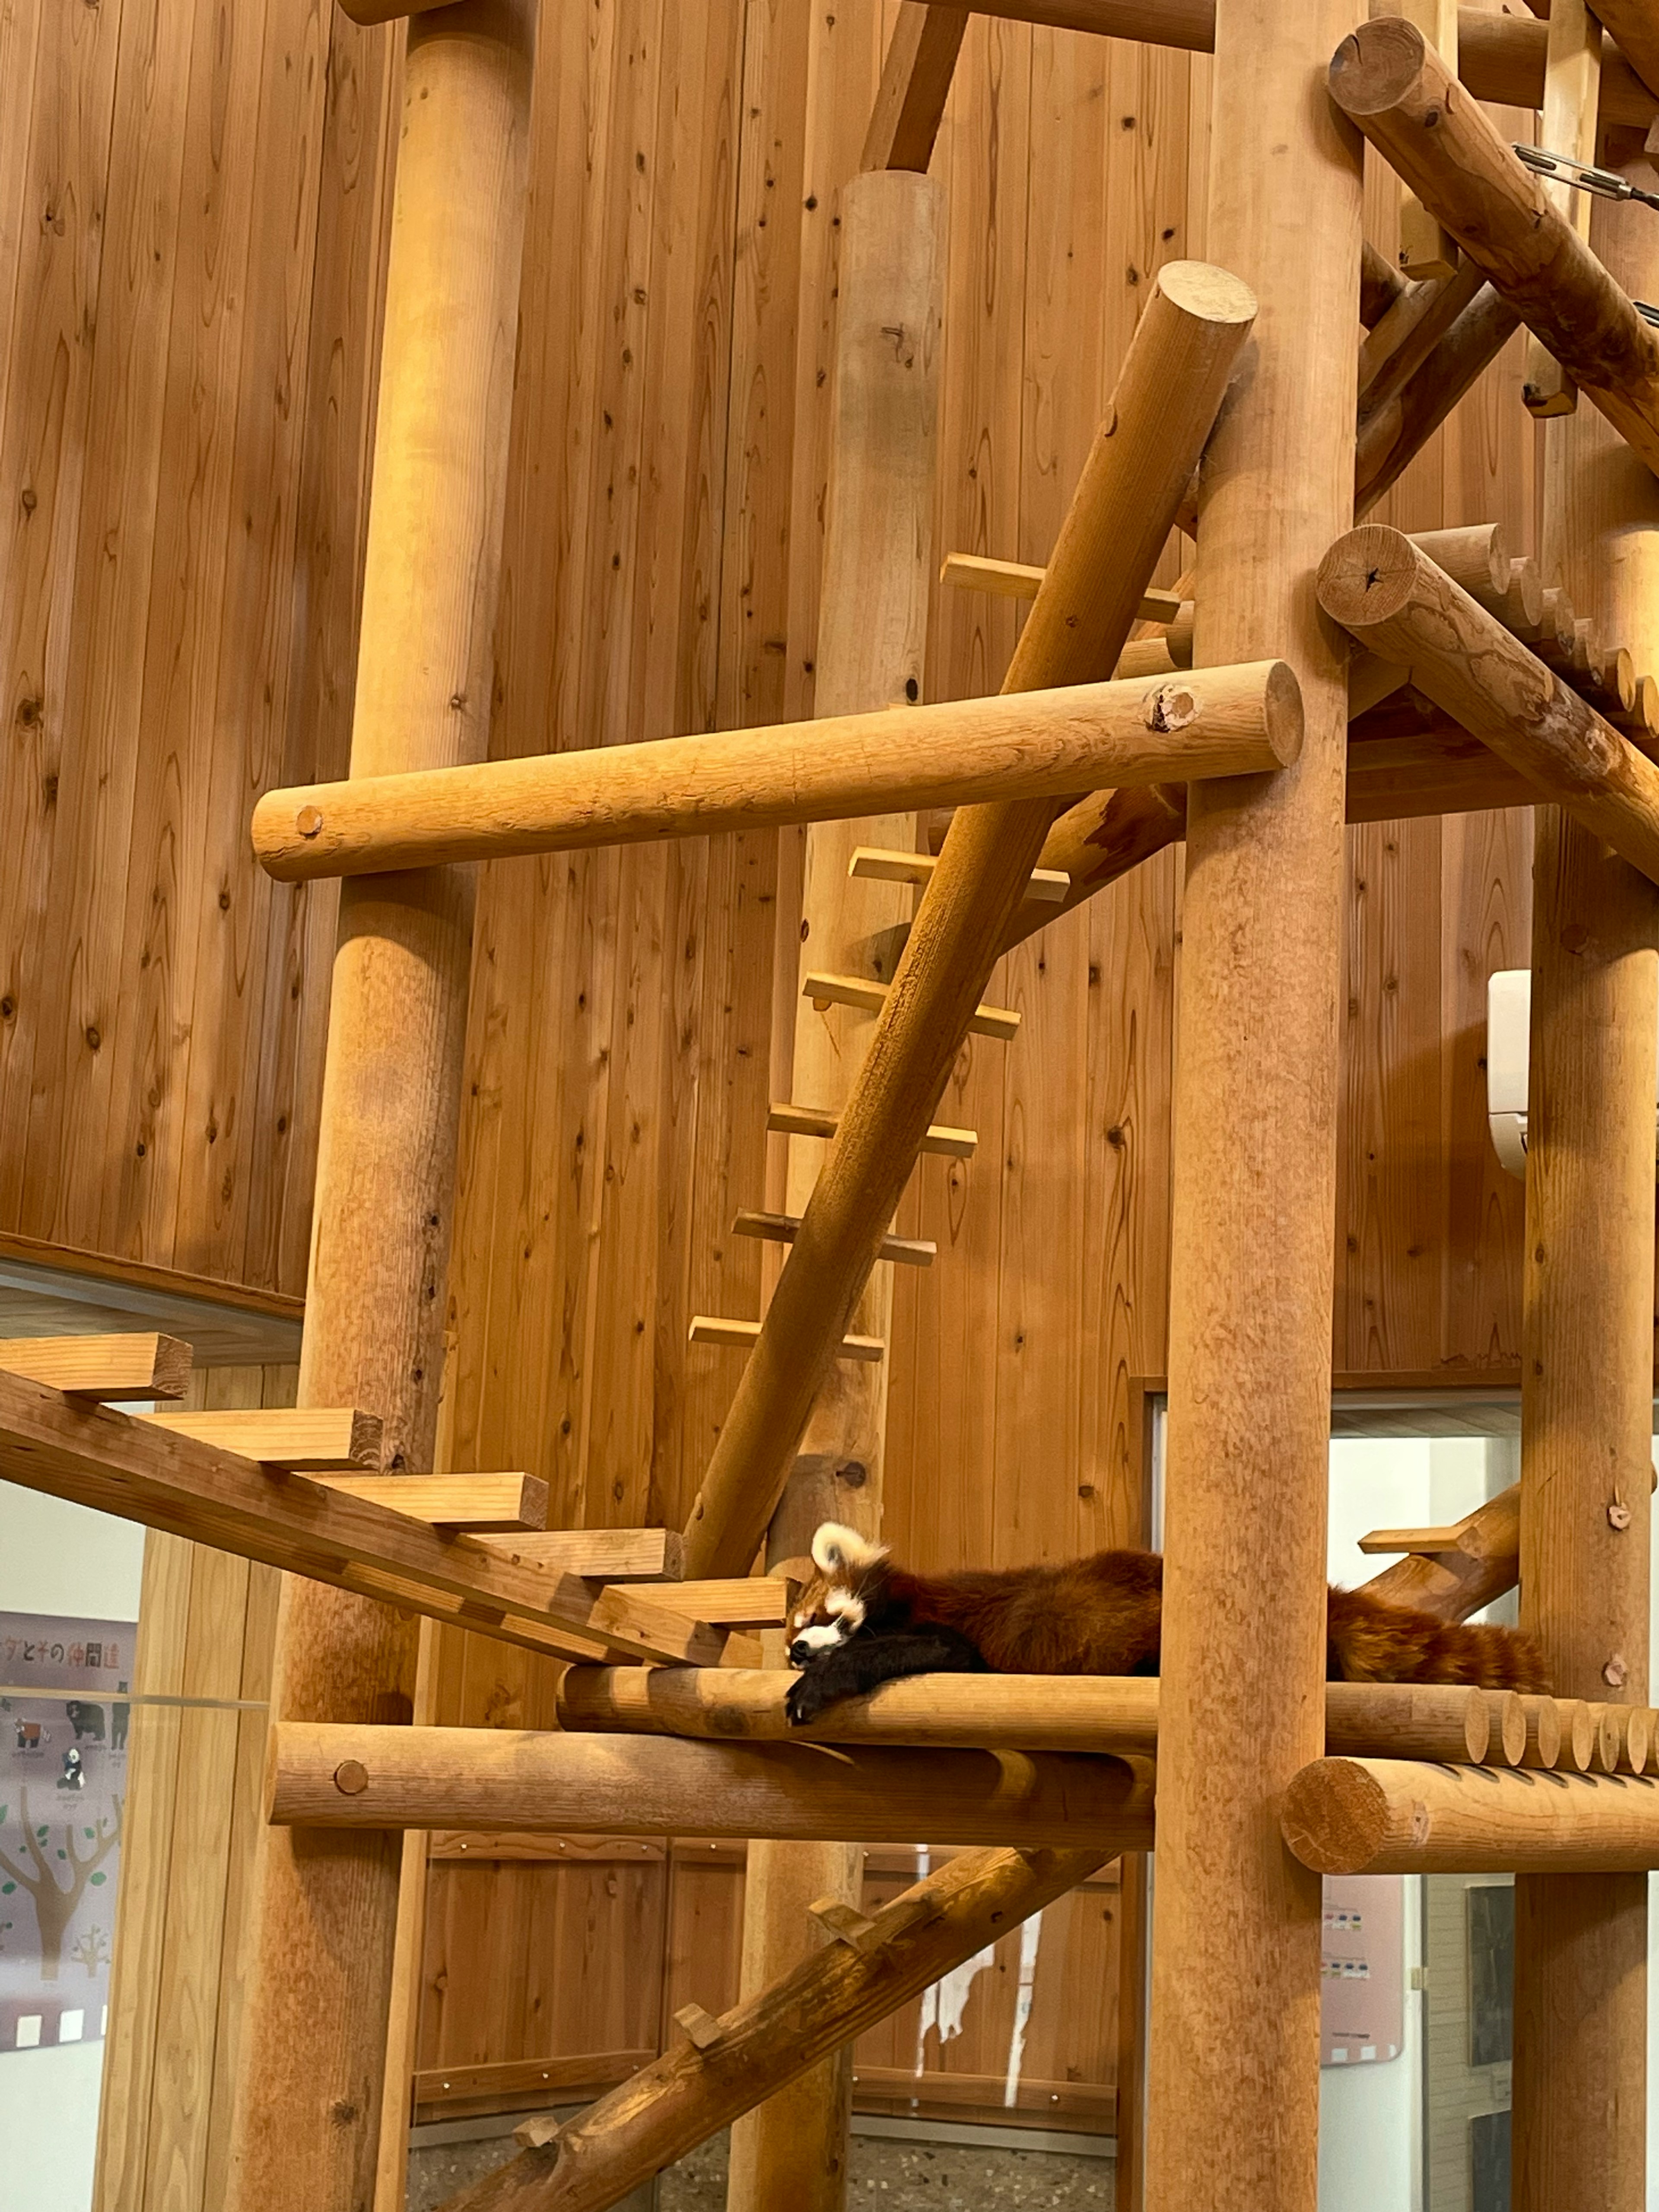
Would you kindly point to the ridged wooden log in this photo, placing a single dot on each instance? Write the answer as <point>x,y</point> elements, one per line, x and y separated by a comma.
<point>525,1781</point>
<point>1236,1927</point>
<point>675,2103</point>
<point>1398,1816</point>
<point>1392,597</point>
<point>1043,746</point>
<point>872,648</point>
<point>1026,1712</point>
<point>1168,393</point>
<point>316,1977</point>
<point>1391,82</point>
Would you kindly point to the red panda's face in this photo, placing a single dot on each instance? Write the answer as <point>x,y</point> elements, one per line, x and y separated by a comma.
<point>832,1606</point>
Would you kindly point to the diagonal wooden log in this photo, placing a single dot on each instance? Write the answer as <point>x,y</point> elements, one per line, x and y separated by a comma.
<point>1168,394</point>
<point>1392,597</point>
<point>916,83</point>
<point>1395,430</point>
<point>682,2098</point>
<point>1392,84</point>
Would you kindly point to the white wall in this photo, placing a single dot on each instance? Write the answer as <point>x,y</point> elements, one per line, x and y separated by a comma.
<point>59,1559</point>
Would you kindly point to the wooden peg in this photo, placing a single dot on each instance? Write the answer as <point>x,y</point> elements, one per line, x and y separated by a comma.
<point>825,991</point>
<point>846,1924</point>
<point>715,1328</point>
<point>790,1120</point>
<point>536,2134</point>
<point>699,2027</point>
<point>781,1229</point>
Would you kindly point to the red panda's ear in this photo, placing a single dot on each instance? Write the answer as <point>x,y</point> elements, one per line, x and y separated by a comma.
<point>839,1550</point>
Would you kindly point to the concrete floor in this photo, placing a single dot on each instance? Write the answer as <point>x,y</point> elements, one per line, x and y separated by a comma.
<point>884,2175</point>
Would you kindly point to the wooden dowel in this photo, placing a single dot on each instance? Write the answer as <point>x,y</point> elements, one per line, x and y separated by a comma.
<point>1389,81</point>
<point>1167,395</point>
<point>1396,1816</point>
<point>554,1784</point>
<point>1380,286</point>
<point>1638,1739</point>
<point>1393,598</point>
<point>766,2040</point>
<point>1224,722</point>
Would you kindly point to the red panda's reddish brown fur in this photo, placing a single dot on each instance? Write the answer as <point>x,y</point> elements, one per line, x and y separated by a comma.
<point>1102,1615</point>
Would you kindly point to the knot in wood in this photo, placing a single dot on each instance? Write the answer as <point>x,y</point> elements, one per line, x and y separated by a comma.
<point>1619,1516</point>
<point>308,821</point>
<point>1615,1673</point>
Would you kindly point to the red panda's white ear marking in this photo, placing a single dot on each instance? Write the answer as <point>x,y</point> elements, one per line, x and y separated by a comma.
<point>836,1548</point>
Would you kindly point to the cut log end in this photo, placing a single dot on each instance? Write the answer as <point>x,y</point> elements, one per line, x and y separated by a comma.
<point>1368,575</point>
<point>1335,1815</point>
<point>1209,294</point>
<point>1377,65</point>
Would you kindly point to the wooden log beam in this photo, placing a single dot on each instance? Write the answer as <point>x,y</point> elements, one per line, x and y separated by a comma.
<point>1170,389</point>
<point>1567,125</point>
<point>1392,597</point>
<point>1391,83</point>
<point>1236,1928</point>
<point>1397,1816</point>
<point>767,2040</point>
<point>548,1783</point>
<point>1393,432</point>
<point>998,1712</point>
<point>1632,22</point>
<point>1236,721</point>
<point>1452,1585</point>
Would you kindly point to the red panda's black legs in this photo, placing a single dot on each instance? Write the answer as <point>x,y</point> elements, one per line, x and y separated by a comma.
<point>857,1666</point>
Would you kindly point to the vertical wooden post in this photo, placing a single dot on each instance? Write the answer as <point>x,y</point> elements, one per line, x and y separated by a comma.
<point>1233,2063</point>
<point>872,628</point>
<point>1572,95</point>
<point>1424,248</point>
<point>319,1969</point>
<point>1580,2101</point>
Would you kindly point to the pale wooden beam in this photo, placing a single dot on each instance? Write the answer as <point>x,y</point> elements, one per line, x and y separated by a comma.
<point>1047,887</point>
<point>782,1229</point>
<point>771,2037</point>
<point>608,1555</point>
<point>1170,389</point>
<point>1397,1816</point>
<point>1380,286</point>
<point>547,1782</point>
<point>1567,125</point>
<point>1632,23</point>
<point>99,1457</point>
<point>941,1141</point>
<point>1396,88</point>
<point>306,1439</point>
<point>109,1369</point>
<point>735,1602</point>
<point>1232,722</point>
<point>915,83</point>
<point>825,990</point>
<point>1381,1541</point>
<point>717,1328</point>
<point>1424,248</point>
<point>1453,1585</point>
<point>1411,330</point>
<point>479,1502</point>
<point>1392,598</point>
<point>1392,435</point>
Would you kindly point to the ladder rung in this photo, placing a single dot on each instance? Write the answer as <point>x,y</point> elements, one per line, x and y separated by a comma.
<point>109,1368</point>
<point>870,862</point>
<point>1019,580</point>
<point>780,1228</point>
<point>452,1501</point>
<point>1429,1541</point>
<point>787,1121</point>
<point>855,991</point>
<point>304,1439</point>
<point>712,1329</point>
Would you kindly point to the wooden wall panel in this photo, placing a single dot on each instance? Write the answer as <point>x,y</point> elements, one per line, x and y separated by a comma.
<point>174,403</point>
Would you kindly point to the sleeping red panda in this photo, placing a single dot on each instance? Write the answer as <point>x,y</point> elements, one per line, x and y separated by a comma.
<point>862,1620</point>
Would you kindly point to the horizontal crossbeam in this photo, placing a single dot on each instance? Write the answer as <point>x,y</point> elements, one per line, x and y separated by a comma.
<point>1399,1816</point>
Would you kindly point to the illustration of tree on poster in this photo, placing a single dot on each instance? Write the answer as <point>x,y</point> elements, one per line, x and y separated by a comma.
<point>63,1711</point>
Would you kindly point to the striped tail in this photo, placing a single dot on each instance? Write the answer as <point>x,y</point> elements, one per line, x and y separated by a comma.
<point>1369,1640</point>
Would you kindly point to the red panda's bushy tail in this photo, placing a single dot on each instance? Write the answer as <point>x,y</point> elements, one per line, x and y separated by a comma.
<point>1370,1640</point>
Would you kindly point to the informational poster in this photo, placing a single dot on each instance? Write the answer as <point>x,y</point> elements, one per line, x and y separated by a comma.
<point>1363,1980</point>
<point>64,1712</point>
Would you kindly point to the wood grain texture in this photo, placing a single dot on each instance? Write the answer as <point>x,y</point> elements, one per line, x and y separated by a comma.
<point>1255,1168</point>
<point>1394,1816</point>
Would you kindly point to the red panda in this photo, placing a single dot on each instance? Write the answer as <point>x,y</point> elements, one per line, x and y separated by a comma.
<point>862,1620</point>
